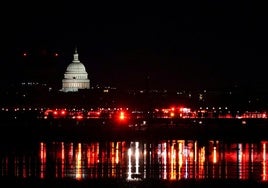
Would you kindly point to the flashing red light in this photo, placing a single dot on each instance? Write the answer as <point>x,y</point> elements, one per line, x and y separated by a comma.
<point>122,116</point>
<point>79,117</point>
<point>56,54</point>
<point>55,112</point>
<point>47,112</point>
<point>63,112</point>
<point>24,54</point>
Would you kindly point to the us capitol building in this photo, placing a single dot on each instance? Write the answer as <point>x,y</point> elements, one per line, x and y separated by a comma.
<point>75,76</point>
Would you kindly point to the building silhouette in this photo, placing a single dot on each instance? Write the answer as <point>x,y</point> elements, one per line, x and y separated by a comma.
<point>75,76</point>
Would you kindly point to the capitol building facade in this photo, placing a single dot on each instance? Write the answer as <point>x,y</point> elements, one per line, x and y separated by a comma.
<point>75,76</point>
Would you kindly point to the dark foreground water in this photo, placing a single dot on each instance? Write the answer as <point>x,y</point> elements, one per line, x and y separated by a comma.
<point>185,156</point>
<point>128,163</point>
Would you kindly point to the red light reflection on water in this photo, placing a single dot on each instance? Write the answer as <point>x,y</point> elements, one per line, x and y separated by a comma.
<point>78,162</point>
<point>176,159</point>
<point>166,159</point>
<point>43,160</point>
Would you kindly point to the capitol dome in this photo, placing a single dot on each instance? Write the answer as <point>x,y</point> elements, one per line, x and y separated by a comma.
<point>76,68</point>
<point>75,76</point>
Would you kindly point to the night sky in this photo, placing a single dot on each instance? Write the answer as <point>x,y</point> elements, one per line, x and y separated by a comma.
<point>190,45</point>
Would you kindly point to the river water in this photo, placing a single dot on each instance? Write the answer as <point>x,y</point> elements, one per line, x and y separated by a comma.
<point>136,160</point>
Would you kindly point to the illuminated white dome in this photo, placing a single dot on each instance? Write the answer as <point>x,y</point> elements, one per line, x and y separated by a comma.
<point>76,68</point>
<point>75,77</point>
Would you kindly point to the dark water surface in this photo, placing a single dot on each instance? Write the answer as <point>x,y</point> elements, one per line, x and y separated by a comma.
<point>210,155</point>
<point>135,161</point>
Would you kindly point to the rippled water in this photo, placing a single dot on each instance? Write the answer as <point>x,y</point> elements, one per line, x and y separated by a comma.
<point>136,160</point>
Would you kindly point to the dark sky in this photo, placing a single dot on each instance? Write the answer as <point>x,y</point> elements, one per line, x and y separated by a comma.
<point>206,44</point>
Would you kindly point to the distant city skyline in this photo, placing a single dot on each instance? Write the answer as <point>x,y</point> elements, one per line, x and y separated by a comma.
<point>195,45</point>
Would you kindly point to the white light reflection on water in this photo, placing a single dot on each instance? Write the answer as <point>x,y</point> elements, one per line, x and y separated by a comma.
<point>239,160</point>
<point>264,174</point>
<point>134,157</point>
<point>137,157</point>
<point>186,155</point>
<point>144,159</point>
<point>180,152</point>
<point>165,159</point>
<point>129,164</point>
